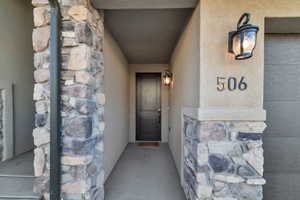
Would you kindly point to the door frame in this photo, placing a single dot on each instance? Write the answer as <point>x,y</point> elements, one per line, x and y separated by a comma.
<point>148,68</point>
<point>8,120</point>
<point>157,74</point>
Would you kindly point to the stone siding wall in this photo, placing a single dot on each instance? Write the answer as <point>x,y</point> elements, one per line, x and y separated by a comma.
<point>82,99</point>
<point>223,160</point>
<point>1,124</point>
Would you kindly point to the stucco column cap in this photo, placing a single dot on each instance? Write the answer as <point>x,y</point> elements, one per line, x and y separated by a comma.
<point>225,114</point>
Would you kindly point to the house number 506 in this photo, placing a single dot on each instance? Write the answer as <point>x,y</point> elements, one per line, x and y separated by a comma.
<point>231,83</point>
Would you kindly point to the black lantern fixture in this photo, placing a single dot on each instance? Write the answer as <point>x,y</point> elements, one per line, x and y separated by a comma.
<point>243,41</point>
<point>167,78</point>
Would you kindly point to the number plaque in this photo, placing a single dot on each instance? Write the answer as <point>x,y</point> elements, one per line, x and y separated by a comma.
<point>231,83</point>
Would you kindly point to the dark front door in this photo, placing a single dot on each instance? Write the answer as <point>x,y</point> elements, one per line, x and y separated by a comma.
<point>148,107</point>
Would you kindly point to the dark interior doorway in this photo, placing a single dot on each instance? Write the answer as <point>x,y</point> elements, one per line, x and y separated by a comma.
<point>148,107</point>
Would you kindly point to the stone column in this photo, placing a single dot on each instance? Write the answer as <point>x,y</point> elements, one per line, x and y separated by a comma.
<point>82,99</point>
<point>223,160</point>
<point>41,96</point>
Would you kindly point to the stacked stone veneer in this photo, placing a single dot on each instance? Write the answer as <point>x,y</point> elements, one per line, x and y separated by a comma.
<point>82,99</point>
<point>1,124</point>
<point>223,160</point>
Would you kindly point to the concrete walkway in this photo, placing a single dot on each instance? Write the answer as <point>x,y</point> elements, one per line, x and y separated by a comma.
<point>16,178</point>
<point>144,173</point>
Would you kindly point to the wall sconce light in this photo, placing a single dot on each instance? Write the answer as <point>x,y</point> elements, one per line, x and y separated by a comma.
<point>167,78</point>
<point>243,41</point>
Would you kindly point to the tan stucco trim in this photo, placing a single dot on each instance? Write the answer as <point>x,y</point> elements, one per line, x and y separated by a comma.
<point>229,114</point>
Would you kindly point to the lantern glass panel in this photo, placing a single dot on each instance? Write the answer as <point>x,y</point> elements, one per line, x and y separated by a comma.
<point>236,44</point>
<point>249,41</point>
<point>167,80</point>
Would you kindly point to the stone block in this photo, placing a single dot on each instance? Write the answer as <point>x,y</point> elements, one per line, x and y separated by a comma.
<point>68,34</point>
<point>41,136</point>
<point>79,187</point>
<point>102,126</point>
<point>81,91</point>
<point>257,181</point>
<point>69,42</point>
<point>78,127</point>
<point>74,2</point>
<point>79,58</point>
<point>210,131</point>
<point>79,12</point>
<point>41,107</point>
<point>245,171</point>
<point>41,75</point>
<point>66,178</point>
<point>40,2</point>
<point>84,33</point>
<point>219,163</point>
<point>78,146</point>
<point>76,160</point>
<point>201,178</point>
<point>38,92</point>
<point>42,59</point>
<point>41,119</point>
<point>69,82</point>
<point>67,75</point>
<point>249,136</point>
<point>246,191</point>
<point>39,162</point>
<point>83,106</point>
<point>247,127</point>
<point>229,178</point>
<point>84,77</point>
<point>204,191</point>
<point>255,159</point>
<point>100,98</point>
<point>41,38</point>
<point>42,184</point>
<point>202,154</point>
<point>101,178</point>
<point>254,144</point>
<point>68,26</point>
<point>41,92</point>
<point>41,16</point>
<point>220,147</point>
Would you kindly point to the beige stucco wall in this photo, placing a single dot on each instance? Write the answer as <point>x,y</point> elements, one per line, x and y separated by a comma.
<point>148,68</point>
<point>16,66</point>
<point>116,115</point>
<point>217,19</point>
<point>185,89</point>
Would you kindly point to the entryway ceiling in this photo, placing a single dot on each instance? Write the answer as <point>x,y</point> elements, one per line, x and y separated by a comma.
<point>147,36</point>
<point>144,4</point>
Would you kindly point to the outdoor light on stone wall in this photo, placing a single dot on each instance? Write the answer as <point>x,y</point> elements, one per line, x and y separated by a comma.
<point>243,41</point>
<point>167,78</point>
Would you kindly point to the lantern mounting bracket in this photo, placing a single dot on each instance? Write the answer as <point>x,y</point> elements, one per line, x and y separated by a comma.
<point>246,18</point>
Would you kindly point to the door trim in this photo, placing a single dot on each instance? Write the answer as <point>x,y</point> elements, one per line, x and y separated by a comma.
<point>148,68</point>
<point>155,74</point>
<point>8,120</point>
